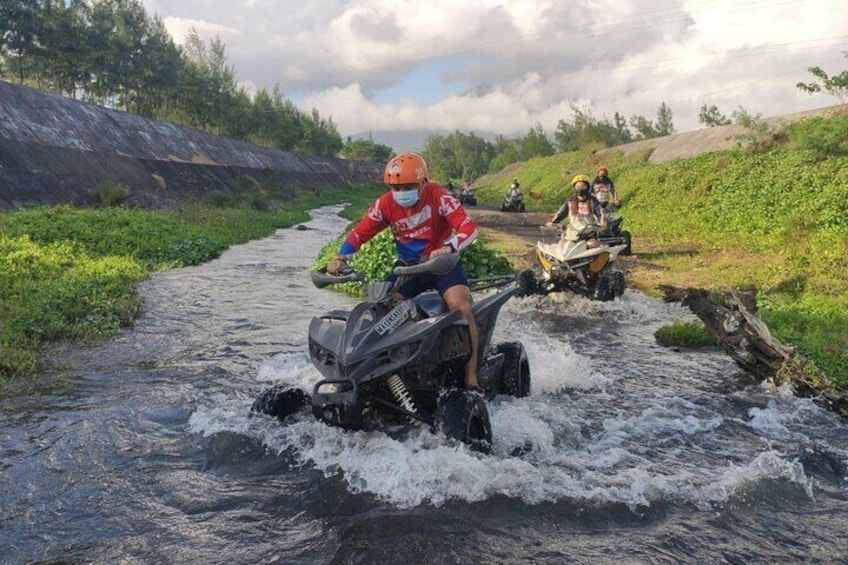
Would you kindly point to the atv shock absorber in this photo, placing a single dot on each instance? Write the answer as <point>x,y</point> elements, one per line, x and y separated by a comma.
<point>402,396</point>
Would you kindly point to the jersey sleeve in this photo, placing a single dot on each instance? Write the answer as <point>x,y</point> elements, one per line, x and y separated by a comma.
<point>465,230</point>
<point>370,225</point>
<point>561,214</point>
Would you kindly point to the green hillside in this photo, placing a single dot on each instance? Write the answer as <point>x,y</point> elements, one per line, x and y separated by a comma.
<point>772,215</point>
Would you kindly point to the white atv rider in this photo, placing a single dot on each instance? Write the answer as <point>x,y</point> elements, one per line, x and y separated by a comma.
<point>585,214</point>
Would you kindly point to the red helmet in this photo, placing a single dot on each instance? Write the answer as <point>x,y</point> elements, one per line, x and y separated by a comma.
<point>602,169</point>
<point>405,169</point>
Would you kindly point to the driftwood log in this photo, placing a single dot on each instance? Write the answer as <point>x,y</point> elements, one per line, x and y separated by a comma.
<point>731,318</point>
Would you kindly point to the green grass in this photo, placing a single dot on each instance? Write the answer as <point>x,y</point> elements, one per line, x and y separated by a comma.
<point>774,219</point>
<point>74,273</point>
<point>684,334</point>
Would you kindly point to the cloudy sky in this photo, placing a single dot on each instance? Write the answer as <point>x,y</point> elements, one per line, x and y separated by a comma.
<point>501,66</point>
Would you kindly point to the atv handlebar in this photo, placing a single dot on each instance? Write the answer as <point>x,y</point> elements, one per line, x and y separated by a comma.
<point>438,265</point>
<point>321,279</point>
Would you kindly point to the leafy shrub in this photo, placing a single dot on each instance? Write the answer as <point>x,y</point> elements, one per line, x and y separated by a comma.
<point>111,194</point>
<point>824,137</point>
<point>377,257</point>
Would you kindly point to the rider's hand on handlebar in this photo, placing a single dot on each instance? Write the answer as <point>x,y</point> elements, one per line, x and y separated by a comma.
<point>335,267</point>
<point>444,250</point>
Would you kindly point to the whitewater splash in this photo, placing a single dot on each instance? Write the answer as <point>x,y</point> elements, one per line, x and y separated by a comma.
<point>568,441</point>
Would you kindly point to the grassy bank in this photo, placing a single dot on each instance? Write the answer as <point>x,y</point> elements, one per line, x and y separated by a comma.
<point>74,273</point>
<point>774,219</point>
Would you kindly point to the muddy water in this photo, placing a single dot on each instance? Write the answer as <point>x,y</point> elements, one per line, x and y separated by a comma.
<point>629,452</point>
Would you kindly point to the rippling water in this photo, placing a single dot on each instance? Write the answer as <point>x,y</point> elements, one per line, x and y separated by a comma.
<point>629,452</point>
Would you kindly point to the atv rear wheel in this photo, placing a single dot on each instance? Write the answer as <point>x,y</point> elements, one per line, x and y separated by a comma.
<point>521,207</point>
<point>281,401</point>
<point>463,416</point>
<point>515,370</point>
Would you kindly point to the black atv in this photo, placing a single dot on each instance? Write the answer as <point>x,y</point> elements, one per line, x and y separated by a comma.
<point>386,363</point>
<point>467,198</point>
<point>613,235</point>
<point>513,204</point>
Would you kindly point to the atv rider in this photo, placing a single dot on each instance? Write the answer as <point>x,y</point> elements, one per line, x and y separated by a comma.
<point>514,191</point>
<point>603,188</point>
<point>585,214</point>
<point>425,221</point>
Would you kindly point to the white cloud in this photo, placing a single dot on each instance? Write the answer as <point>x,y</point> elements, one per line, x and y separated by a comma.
<point>523,61</point>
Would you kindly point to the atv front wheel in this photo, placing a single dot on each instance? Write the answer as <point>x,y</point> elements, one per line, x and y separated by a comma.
<point>618,283</point>
<point>604,289</point>
<point>463,416</point>
<point>515,370</point>
<point>627,240</point>
<point>281,401</point>
<point>527,285</point>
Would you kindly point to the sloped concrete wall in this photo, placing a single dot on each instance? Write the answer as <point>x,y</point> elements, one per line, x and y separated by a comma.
<point>56,150</point>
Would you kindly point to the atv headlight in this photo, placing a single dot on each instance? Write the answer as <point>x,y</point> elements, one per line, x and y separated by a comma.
<point>402,352</point>
<point>324,357</point>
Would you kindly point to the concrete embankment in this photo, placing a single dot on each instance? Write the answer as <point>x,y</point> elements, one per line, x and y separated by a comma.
<point>56,150</point>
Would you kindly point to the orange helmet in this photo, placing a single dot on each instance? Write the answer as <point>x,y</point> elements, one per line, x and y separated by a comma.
<point>603,169</point>
<point>405,169</point>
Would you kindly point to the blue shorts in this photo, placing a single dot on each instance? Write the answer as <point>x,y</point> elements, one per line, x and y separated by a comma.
<point>423,283</point>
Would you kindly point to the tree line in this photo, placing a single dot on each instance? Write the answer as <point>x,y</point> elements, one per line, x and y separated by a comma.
<point>111,52</point>
<point>466,156</point>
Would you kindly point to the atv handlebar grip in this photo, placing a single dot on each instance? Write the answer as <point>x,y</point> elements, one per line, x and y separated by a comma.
<point>321,279</point>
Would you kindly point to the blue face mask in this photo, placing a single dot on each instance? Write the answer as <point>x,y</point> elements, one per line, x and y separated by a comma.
<point>406,198</point>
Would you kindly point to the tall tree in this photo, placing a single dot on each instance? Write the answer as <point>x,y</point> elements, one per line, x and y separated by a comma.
<point>836,85</point>
<point>712,117</point>
<point>665,126</point>
<point>20,26</point>
<point>536,144</point>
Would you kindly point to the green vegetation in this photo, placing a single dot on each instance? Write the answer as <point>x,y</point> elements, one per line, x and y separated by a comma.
<point>771,215</point>
<point>376,258</point>
<point>73,273</point>
<point>684,334</point>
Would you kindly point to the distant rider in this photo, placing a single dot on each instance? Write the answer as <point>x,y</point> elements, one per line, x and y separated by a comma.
<point>603,188</point>
<point>585,214</point>
<point>514,191</point>
<point>425,221</point>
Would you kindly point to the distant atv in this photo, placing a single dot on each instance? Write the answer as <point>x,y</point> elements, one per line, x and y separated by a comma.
<point>467,198</point>
<point>387,363</point>
<point>513,203</point>
<point>570,265</point>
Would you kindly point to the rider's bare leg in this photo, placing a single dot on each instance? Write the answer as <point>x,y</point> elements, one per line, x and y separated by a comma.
<point>458,297</point>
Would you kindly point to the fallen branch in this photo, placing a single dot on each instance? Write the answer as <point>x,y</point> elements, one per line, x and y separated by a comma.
<point>732,319</point>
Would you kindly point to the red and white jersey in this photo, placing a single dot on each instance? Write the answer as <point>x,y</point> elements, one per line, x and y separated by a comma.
<point>436,220</point>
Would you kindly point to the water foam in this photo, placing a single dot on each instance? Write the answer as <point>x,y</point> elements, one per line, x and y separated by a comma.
<point>571,439</point>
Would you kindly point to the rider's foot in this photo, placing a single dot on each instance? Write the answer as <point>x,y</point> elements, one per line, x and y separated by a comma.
<point>476,389</point>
